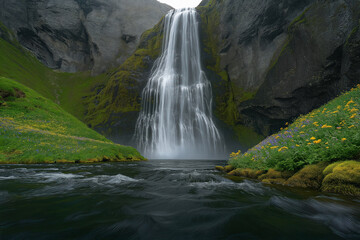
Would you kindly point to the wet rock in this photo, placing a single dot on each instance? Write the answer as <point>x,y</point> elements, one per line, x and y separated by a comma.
<point>247,173</point>
<point>342,178</point>
<point>310,176</point>
<point>279,59</point>
<point>274,177</point>
<point>228,168</point>
<point>220,168</point>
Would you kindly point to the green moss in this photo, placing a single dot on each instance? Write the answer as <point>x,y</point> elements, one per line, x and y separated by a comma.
<point>353,32</point>
<point>121,93</point>
<point>247,173</point>
<point>34,129</point>
<point>274,174</point>
<point>246,136</point>
<point>309,177</point>
<point>220,168</point>
<point>299,19</point>
<point>276,57</point>
<point>227,95</point>
<point>344,178</point>
<point>329,169</point>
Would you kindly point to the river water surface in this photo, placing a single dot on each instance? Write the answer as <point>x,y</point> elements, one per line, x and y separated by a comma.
<point>167,199</point>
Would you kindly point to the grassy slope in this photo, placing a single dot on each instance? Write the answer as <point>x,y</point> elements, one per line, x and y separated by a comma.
<point>66,89</point>
<point>330,133</point>
<point>34,129</point>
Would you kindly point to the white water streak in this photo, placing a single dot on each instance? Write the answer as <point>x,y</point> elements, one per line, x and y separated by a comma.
<point>176,116</point>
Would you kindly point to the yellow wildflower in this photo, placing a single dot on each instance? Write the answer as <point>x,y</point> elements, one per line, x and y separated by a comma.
<point>317,141</point>
<point>327,143</point>
<point>354,115</point>
<point>303,126</point>
<point>350,102</point>
<point>343,139</point>
<point>354,110</point>
<point>286,123</point>
<point>309,143</point>
<point>352,126</point>
<point>339,107</point>
<point>312,138</point>
<point>283,148</point>
<point>297,145</point>
<point>277,137</point>
<point>301,132</point>
<point>327,147</point>
<point>338,128</point>
<point>274,147</point>
<point>326,126</point>
<point>232,154</point>
<point>335,112</point>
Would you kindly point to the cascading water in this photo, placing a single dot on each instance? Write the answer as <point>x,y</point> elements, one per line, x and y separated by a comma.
<point>176,116</point>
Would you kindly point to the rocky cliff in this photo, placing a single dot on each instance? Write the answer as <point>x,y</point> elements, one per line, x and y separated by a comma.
<point>268,61</point>
<point>274,60</point>
<point>81,35</point>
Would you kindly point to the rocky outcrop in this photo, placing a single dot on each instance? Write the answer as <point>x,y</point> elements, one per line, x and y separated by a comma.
<point>114,108</point>
<point>81,35</point>
<point>275,60</point>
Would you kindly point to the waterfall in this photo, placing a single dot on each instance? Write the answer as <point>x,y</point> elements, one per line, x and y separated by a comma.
<point>176,116</point>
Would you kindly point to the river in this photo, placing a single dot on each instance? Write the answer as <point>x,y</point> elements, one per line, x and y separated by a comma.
<point>163,199</point>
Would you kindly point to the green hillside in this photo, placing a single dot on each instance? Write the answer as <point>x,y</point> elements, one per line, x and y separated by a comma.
<point>66,89</point>
<point>34,129</point>
<point>326,134</point>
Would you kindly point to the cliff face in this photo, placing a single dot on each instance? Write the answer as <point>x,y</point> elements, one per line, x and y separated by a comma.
<point>114,108</point>
<point>275,60</point>
<point>80,35</point>
<point>268,61</point>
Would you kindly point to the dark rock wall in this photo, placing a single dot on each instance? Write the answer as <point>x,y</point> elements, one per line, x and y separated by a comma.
<point>114,108</point>
<point>277,59</point>
<point>81,35</point>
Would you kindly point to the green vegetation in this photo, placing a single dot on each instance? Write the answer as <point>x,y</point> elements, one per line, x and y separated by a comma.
<point>312,152</point>
<point>66,89</point>
<point>122,92</point>
<point>330,133</point>
<point>34,129</point>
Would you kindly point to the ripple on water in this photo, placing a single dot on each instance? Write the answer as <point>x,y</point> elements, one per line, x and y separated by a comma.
<point>55,177</point>
<point>7,178</point>
<point>342,220</point>
<point>4,196</point>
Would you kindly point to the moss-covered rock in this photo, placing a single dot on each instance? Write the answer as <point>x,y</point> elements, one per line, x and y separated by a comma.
<point>228,168</point>
<point>329,169</point>
<point>343,178</point>
<point>309,177</point>
<point>220,168</point>
<point>273,176</point>
<point>247,173</point>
